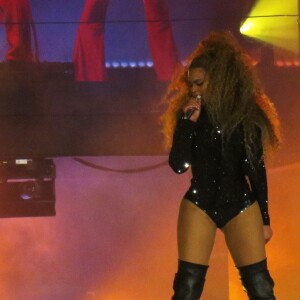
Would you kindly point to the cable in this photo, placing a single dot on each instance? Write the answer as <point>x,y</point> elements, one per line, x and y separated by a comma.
<point>149,21</point>
<point>134,170</point>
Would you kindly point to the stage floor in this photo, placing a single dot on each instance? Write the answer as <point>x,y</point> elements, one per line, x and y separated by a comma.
<point>114,236</point>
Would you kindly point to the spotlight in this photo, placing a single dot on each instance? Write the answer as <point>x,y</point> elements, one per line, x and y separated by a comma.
<point>124,64</point>
<point>132,64</point>
<point>246,27</point>
<point>27,188</point>
<point>149,64</point>
<point>115,64</point>
<point>275,23</point>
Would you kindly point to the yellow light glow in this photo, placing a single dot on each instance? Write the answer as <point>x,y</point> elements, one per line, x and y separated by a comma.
<point>274,23</point>
<point>247,26</point>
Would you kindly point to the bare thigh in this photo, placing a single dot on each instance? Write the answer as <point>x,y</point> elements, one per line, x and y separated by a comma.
<point>195,234</point>
<point>245,238</point>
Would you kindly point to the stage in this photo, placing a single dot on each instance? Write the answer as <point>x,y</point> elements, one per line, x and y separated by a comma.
<point>112,232</point>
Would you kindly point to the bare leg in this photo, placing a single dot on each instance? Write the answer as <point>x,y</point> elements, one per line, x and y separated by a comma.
<point>196,234</point>
<point>245,240</point>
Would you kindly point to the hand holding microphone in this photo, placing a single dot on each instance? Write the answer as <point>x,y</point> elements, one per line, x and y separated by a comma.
<point>192,109</point>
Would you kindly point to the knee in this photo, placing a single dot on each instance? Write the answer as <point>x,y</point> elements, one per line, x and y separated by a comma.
<point>257,281</point>
<point>189,281</point>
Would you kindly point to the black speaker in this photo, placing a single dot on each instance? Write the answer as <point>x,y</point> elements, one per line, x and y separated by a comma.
<point>27,187</point>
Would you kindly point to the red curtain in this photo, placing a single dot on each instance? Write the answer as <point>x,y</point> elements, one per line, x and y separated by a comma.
<point>16,14</point>
<point>162,45</point>
<point>89,53</point>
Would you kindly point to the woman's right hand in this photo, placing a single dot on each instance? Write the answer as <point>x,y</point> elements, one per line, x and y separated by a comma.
<point>194,104</point>
<point>268,233</point>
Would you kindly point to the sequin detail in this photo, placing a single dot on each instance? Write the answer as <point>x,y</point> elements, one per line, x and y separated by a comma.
<point>219,185</point>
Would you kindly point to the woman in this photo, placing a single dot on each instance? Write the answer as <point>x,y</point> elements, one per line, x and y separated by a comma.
<point>222,125</point>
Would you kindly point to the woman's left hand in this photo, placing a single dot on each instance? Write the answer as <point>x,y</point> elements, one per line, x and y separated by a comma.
<point>268,233</point>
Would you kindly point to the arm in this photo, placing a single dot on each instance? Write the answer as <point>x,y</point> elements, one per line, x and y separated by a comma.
<point>180,154</point>
<point>181,151</point>
<point>258,181</point>
<point>256,173</point>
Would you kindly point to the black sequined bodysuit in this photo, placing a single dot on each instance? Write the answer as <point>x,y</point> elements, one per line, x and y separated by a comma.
<point>218,185</point>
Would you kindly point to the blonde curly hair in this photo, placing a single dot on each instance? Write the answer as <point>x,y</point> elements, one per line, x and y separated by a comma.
<point>234,94</point>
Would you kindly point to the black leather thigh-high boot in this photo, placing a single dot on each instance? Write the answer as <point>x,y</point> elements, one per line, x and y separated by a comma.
<point>189,281</point>
<point>257,281</point>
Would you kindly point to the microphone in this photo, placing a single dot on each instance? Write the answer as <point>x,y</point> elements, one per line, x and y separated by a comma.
<point>188,114</point>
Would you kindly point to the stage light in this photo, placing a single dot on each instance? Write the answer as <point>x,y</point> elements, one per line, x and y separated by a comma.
<point>27,188</point>
<point>275,23</point>
<point>149,64</point>
<point>129,64</point>
<point>124,64</point>
<point>132,64</point>
<point>115,64</point>
<point>246,27</point>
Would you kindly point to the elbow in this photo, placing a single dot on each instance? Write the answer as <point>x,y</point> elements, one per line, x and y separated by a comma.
<point>179,167</point>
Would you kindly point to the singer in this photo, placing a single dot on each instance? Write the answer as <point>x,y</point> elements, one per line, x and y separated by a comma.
<point>224,139</point>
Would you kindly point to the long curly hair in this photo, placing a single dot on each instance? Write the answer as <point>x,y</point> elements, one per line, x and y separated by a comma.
<point>234,95</point>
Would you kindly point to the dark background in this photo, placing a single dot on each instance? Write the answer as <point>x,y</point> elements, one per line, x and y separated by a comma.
<point>44,112</point>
